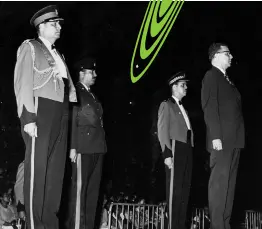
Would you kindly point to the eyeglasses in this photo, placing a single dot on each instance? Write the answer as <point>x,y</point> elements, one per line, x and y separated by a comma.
<point>226,52</point>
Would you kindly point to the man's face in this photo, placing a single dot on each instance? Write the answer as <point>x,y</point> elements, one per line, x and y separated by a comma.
<point>5,200</point>
<point>50,30</point>
<point>88,77</point>
<point>180,89</point>
<point>224,56</point>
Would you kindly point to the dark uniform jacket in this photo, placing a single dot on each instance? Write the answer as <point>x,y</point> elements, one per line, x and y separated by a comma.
<point>88,135</point>
<point>221,103</point>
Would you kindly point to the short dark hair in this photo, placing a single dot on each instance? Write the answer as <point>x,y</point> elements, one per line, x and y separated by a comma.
<point>213,49</point>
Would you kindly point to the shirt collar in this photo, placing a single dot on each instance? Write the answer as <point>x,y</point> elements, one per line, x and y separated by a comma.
<point>87,88</point>
<point>46,42</point>
<point>177,100</point>
<point>220,69</point>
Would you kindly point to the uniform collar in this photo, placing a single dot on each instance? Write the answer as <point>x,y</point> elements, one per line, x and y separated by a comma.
<point>176,99</point>
<point>87,88</point>
<point>46,42</point>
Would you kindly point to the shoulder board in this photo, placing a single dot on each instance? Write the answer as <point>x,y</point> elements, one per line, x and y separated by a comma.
<point>24,42</point>
<point>27,41</point>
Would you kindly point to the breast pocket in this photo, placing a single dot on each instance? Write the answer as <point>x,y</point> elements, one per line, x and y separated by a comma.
<point>87,115</point>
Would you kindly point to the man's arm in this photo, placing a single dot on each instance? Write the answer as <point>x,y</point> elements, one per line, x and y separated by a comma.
<point>163,130</point>
<point>23,85</point>
<point>74,135</point>
<point>210,105</point>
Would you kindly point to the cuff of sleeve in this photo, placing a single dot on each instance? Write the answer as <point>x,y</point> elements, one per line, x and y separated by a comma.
<point>27,117</point>
<point>167,153</point>
<point>73,146</point>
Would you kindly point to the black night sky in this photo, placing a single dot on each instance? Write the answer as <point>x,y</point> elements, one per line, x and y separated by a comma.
<point>108,31</point>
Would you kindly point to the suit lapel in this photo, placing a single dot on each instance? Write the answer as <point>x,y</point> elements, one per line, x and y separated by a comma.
<point>175,105</point>
<point>177,110</point>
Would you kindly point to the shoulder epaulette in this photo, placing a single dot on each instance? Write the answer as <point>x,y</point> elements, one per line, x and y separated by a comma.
<point>25,42</point>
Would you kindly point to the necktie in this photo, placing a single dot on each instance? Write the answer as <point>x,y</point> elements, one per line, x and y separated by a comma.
<point>229,81</point>
<point>180,102</point>
<point>91,93</point>
<point>52,46</point>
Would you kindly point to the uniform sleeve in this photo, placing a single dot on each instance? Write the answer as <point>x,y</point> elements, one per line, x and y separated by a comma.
<point>72,90</point>
<point>23,85</point>
<point>163,130</point>
<point>210,105</point>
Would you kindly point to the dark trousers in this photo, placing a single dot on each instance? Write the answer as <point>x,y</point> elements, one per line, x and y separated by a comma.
<point>85,187</point>
<point>49,163</point>
<point>181,184</point>
<point>221,189</point>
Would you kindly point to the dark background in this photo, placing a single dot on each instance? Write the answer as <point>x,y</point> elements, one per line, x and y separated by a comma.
<point>108,31</point>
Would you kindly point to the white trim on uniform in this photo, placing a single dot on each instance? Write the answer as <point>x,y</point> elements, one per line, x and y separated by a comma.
<point>32,174</point>
<point>78,191</point>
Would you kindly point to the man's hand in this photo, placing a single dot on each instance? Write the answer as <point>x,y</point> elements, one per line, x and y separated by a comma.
<point>31,129</point>
<point>169,162</point>
<point>21,215</point>
<point>73,155</point>
<point>217,144</point>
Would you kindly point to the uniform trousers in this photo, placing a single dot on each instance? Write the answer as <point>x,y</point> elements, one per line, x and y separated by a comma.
<point>181,184</point>
<point>44,170</point>
<point>221,189</point>
<point>86,179</point>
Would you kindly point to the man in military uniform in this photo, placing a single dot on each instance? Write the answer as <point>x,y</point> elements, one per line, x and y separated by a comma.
<point>88,147</point>
<point>43,88</point>
<point>176,140</point>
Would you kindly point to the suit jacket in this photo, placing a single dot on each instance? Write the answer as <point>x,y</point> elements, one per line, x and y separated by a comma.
<point>221,103</point>
<point>36,75</point>
<point>171,125</point>
<point>88,135</point>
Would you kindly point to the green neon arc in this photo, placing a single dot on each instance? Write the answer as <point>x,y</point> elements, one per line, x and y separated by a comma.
<point>144,53</point>
<point>156,27</point>
<point>164,6</point>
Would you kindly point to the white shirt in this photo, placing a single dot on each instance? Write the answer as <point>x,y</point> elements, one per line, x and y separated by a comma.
<point>183,112</point>
<point>59,62</point>
<point>220,69</point>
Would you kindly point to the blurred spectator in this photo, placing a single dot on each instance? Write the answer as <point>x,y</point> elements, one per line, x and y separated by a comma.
<point>129,211</point>
<point>18,189</point>
<point>8,213</point>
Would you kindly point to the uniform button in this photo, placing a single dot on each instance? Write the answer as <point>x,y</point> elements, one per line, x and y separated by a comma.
<point>87,133</point>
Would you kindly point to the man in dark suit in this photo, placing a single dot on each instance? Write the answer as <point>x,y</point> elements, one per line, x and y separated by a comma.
<point>176,140</point>
<point>221,103</point>
<point>43,87</point>
<point>88,147</point>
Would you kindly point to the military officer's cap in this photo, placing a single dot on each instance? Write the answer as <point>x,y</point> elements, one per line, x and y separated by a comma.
<point>49,13</point>
<point>180,76</point>
<point>86,63</point>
